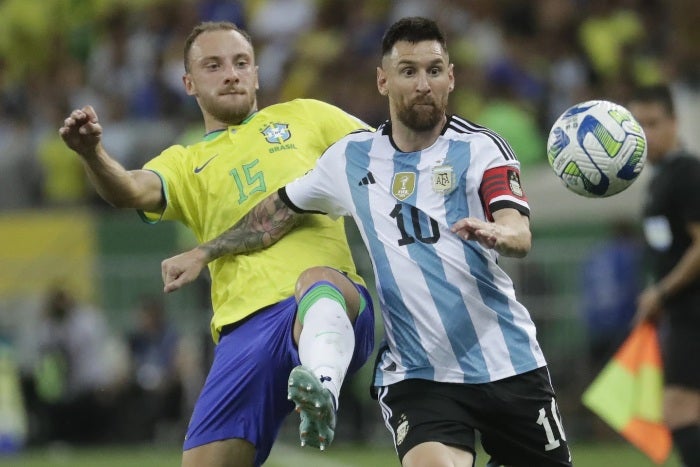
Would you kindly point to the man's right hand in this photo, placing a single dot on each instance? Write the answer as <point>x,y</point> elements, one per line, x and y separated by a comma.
<point>82,132</point>
<point>182,269</point>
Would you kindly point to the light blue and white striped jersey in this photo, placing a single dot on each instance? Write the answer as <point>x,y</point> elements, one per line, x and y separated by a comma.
<point>450,312</point>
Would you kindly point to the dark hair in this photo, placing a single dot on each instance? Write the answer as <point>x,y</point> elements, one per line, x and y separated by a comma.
<point>412,29</point>
<point>210,26</point>
<point>655,94</point>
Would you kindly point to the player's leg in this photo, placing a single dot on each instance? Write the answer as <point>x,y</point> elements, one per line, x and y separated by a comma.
<point>681,408</point>
<point>681,402</point>
<point>429,425</point>
<point>330,308</point>
<point>227,452</point>
<point>244,399</point>
<point>328,304</point>
<point>436,454</point>
<point>521,425</point>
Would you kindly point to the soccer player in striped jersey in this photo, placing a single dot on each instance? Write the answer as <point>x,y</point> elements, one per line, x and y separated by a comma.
<point>303,293</point>
<point>437,199</point>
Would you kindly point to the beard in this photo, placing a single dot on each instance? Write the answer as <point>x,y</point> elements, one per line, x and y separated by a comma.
<point>231,113</point>
<point>421,115</point>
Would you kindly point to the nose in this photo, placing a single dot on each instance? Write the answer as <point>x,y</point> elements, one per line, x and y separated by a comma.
<point>422,85</point>
<point>231,74</point>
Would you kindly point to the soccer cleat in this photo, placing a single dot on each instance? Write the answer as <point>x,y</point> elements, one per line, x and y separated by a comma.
<point>316,407</point>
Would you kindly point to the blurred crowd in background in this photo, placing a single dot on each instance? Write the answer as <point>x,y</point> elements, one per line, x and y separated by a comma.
<point>518,65</point>
<point>83,383</point>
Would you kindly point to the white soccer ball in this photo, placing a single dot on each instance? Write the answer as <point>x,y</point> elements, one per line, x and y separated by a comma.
<point>597,148</point>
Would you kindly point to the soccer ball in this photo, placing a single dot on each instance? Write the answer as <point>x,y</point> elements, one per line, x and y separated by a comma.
<point>597,148</point>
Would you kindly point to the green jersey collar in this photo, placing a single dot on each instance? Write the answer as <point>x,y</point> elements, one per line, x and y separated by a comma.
<point>213,134</point>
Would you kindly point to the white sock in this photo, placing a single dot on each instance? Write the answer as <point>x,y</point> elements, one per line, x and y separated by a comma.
<point>327,339</point>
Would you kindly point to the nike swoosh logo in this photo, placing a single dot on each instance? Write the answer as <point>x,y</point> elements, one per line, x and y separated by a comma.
<point>201,167</point>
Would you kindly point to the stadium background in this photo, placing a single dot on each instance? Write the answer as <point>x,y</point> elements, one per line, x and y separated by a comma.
<point>518,65</point>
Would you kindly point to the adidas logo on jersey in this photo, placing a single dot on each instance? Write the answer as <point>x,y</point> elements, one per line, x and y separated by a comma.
<point>367,180</point>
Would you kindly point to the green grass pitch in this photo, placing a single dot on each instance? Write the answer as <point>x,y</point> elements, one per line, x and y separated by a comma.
<point>285,455</point>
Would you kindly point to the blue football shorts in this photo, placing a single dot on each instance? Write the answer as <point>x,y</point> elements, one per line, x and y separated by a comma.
<point>245,393</point>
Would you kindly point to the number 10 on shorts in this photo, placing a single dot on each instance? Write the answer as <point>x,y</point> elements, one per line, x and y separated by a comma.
<point>544,420</point>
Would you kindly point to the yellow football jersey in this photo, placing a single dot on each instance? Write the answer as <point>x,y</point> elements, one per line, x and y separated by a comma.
<point>210,185</point>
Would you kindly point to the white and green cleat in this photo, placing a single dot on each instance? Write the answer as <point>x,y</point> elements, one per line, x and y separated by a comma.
<point>315,405</point>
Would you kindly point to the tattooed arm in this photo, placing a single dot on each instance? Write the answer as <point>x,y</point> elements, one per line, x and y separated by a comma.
<point>261,227</point>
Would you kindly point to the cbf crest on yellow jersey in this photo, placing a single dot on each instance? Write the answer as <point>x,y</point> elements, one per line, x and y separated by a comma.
<point>277,133</point>
<point>212,184</point>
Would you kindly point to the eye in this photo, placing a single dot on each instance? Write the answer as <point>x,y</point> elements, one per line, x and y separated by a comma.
<point>435,71</point>
<point>211,66</point>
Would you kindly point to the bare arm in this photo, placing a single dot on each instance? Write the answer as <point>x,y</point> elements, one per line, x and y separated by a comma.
<point>261,227</point>
<point>684,272</point>
<point>139,189</point>
<point>509,233</point>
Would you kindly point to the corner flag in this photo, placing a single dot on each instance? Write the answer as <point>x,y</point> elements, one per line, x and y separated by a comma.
<point>627,394</point>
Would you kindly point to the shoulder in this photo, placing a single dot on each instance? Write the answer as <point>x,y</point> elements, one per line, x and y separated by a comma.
<point>310,112</point>
<point>686,160</point>
<point>460,128</point>
<point>682,165</point>
<point>359,135</point>
<point>481,137</point>
<point>315,104</point>
<point>349,145</point>
<point>303,105</point>
<point>177,152</point>
<point>179,148</point>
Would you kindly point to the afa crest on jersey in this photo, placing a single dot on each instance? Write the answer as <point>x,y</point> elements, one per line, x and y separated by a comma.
<point>443,179</point>
<point>276,133</point>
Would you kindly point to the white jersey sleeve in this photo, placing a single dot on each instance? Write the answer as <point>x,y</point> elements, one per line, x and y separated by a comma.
<point>324,189</point>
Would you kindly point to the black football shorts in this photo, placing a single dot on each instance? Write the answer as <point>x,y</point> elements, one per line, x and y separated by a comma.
<point>680,345</point>
<point>517,418</point>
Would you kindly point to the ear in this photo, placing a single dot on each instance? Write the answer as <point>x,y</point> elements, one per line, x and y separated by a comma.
<point>381,82</point>
<point>189,85</point>
<point>451,74</point>
<point>257,83</point>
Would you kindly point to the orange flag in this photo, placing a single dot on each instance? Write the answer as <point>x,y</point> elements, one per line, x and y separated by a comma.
<point>627,394</point>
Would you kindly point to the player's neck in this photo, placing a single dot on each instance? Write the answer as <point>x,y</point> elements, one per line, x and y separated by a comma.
<point>410,140</point>
<point>212,124</point>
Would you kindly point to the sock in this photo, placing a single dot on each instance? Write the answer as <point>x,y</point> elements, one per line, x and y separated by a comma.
<point>327,339</point>
<point>687,442</point>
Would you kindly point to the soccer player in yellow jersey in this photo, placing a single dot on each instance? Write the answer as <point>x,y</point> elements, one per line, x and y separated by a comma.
<point>289,321</point>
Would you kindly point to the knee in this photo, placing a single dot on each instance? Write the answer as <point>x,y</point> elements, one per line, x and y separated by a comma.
<point>312,276</point>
